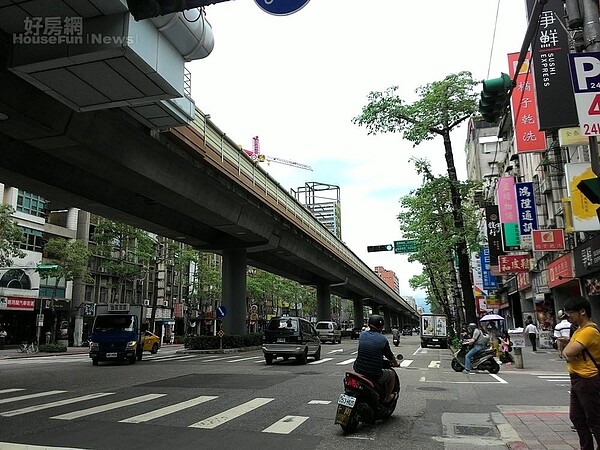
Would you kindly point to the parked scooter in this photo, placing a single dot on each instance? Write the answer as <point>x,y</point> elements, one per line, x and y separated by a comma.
<point>362,401</point>
<point>483,360</point>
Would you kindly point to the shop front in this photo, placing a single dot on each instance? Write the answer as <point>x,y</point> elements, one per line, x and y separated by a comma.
<point>586,259</point>
<point>562,281</point>
<point>17,317</point>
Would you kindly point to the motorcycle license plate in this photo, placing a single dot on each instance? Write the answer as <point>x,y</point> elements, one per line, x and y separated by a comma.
<point>347,400</point>
<point>111,355</point>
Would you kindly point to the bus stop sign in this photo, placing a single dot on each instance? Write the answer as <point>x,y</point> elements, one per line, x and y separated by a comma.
<point>281,7</point>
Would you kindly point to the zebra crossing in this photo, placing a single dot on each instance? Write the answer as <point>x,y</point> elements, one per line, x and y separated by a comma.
<point>559,379</point>
<point>334,357</point>
<point>13,396</point>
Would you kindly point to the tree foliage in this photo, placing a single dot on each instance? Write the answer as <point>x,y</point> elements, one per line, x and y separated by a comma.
<point>442,105</point>
<point>10,236</point>
<point>70,259</point>
<point>440,108</point>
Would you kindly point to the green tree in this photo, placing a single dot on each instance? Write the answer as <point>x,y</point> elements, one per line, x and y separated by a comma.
<point>441,107</point>
<point>427,218</point>
<point>10,236</point>
<point>66,260</point>
<point>127,252</point>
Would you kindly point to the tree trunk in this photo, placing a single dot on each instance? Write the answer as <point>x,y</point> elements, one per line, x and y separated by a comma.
<point>461,245</point>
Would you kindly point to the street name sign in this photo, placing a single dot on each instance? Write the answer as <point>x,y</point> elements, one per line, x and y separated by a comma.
<point>585,76</point>
<point>405,246</point>
<point>281,7</point>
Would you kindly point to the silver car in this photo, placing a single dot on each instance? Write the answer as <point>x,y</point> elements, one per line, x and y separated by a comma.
<point>329,331</point>
<point>290,337</point>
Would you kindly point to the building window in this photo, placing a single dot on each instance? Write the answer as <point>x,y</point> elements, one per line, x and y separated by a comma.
<point>48,284</point>
<point>29,203</point>
<point>33,240</point>
<point>15,279</point>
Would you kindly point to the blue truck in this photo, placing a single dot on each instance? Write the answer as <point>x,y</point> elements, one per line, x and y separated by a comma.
<point>117,333</point>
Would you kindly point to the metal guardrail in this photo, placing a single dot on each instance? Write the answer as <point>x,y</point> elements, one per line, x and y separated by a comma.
<point>228,152</point>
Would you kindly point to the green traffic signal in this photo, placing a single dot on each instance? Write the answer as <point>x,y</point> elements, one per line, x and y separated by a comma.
<point>494,97</point>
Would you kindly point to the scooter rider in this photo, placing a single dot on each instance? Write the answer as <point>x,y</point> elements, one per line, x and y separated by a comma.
<point>476,341</point>
<point>372,348</point>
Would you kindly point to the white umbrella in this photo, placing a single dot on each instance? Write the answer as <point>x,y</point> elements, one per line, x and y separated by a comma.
<point>489,317</point>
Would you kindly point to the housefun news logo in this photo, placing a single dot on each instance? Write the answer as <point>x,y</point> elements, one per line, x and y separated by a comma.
<point>63,30</point>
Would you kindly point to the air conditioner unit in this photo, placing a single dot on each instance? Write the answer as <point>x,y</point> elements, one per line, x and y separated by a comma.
<point>146,302</point>
<point>166,303</point>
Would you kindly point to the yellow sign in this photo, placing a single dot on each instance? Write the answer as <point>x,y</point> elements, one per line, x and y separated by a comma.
<point>572,136</point>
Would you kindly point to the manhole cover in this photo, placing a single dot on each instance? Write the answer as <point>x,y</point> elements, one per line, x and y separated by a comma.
<point>430,388</point>
<point>473,431</point>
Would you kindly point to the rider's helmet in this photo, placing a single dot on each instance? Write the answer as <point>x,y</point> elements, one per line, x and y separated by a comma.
<point>472,325</point>
<point>376,322</point>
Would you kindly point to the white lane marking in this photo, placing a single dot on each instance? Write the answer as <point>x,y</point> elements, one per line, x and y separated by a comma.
<point>244,359</point>
<point>434,365</point>
<point>354,353</point>
<point>226,416</point>
<point>406,362</point>
<point>220,358</point>
<point>335,351</point>
<point>422,379</point>
<point>29,396</point>
<point>500,380</point>
<point>169,357</point>
<point>16,412</point>
<point>168,409</point>
<point>319,402</point>
<point>13,446</point>
<point>286,425</point>
<point>320,361</point>
<point>8,391</point>
<point>348,361</point>
<point>107,407</point>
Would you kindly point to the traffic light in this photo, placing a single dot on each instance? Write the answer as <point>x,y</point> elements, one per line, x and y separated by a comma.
<point>591,189</point>
<point>145,9</point>
<point>494,97</point>
<point>380,248</point>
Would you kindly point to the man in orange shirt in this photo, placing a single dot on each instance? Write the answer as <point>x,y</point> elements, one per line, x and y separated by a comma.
<point>582,352</point>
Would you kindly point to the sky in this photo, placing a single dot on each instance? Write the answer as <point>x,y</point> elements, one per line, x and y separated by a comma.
<point>297,81</point>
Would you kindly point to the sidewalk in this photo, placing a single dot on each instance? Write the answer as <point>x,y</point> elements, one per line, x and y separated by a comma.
<point>539,427</point>
<point>11,352</point>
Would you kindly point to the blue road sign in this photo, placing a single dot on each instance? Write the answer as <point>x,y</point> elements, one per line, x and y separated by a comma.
<point>221,311</point>
<point>281,7</point>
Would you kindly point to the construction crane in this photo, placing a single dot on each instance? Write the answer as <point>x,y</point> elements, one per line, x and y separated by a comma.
<point>256,155</point>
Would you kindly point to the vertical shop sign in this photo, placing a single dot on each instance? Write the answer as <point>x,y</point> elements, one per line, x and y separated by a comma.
<point>526,208</point>
<point>528,136</point>
<point>549,57</point>
<point>489,280</point>
<point>507,200</point>
<point>494,235</point>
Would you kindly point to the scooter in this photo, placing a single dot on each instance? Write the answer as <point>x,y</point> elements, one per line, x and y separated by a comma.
<point>396,340</point>
<point>483,360</point>
<point>363,401</point>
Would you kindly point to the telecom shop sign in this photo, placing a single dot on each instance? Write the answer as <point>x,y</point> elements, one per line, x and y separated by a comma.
<point>585,76</point>
<point>281,7</point>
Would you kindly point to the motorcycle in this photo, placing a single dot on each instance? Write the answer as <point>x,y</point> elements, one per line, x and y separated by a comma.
<point>396,340</point>
<point>483,360</point>
<point>363,401</point>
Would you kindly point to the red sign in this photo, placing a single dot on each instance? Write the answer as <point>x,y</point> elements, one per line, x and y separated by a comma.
<point>514,263</point>
<point>523,281</point>
<point>528,136</point>
<point>17,303</point>
<point>178,311</point>
<point>548,240</point>
<point>560,271</point>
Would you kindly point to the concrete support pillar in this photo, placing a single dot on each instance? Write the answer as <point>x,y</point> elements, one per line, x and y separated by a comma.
<point>359,314</point>
<point>387,327</point>
<point>234,291</point>
<point>323,301</point>
<point>78,295</point>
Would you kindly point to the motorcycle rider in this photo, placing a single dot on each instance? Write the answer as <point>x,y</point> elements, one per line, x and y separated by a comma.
<point>476,341</point>
<point>372,348</point>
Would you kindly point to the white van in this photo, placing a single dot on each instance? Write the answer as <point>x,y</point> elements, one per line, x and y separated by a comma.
<point>329,331</point>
